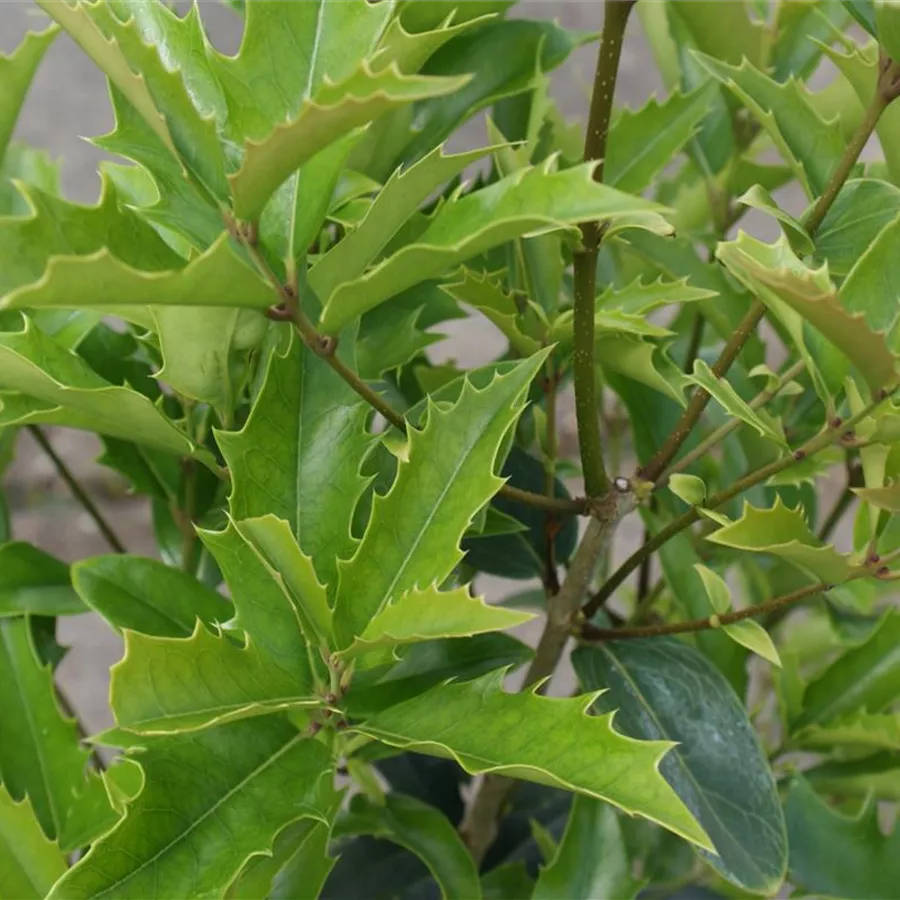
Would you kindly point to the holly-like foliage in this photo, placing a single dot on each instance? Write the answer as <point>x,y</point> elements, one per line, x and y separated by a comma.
<point>312,699</point>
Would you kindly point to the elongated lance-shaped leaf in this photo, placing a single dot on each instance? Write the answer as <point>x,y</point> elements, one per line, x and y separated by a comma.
<point>298,457</point>
<point>640,297</point>
<point>413,535</point>
<point>783,532</point>
<point>144,595</point>
<point>16,71</point>
<point>667,690</point>
<point>333,111</point>
<point>401,196</point>
<point>32,581</point>
<point>642,143</point>
<point>865,678</point>
<point>32,363</point>
<point>40,753</point>
<point>164,685</point>
<point>775,272</point>
<point>528,736</point>
<point>729,399</point>
<point>810,145</point>
<point>429,614</point>
<point>423,830</point>
<point>527,202</point>
<point>29,862</point>
<point>218,277</point>
<point>210,801</point>
<point>55,227</point>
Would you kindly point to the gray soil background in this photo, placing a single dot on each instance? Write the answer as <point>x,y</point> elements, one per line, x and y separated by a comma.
<point>67,103</point>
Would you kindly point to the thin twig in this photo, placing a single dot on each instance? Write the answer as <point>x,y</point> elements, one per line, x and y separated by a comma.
<point>886,92</point>
<point>827,436</point>
<point>591,632</point>
<point>77,490</point>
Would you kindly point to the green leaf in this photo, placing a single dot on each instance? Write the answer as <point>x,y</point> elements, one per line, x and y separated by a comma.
<point>639,298</point>
<point>729,399</point>
<point>530,201</point>
<point>643,362</point>
<point>16,71</point>
<point>164,684</point>
<point>501,58</point>
<point>754,637</point>
<point>642,143</point>
<point>297,868</point>
<point>666,690</point>
<point>430,614</point>
<point>422,666</point>
<point>400,197</point>
<point>863,679</point>
<point>860,730</point>
<point>218,277</point>
<point>40,753</point>
<point>29,862</point>
<point>862,208</point>
<point>783,532</point>
<point>591,859</point>
<point>716,589</point>
<point>334,110</point>
<point>414,531</point>
<point>859,66</point>
<point>810,145</point>
<point>887,27</point>
<point>528,736</point>
<point>689,488</point>
<point>139,594</point>
<point>54,227</point>
<point>61,388</point>
<point>299,454</point>
<point>487,295</point>
<point>188,836</point>
<point>421,829</point>
<point>32,581</point>
<point>759,198</point>
<point>835,855</point>
<point>778,277</point>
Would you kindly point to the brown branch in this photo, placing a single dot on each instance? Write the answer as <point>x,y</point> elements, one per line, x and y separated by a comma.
<point>591,632</point>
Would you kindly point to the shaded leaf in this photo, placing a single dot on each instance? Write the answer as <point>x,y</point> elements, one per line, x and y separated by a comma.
<point>420,828</point>
<point>759,198</point>
<point>449,469</point>
<point>32,581</point>
<point>870,731</point>
<point>189,836</point>
<point>539,739</point>
<point>666,690</point>
<point>864,679</point>
<point>836,855</point>
<point>591,859</point>
<point>139,594</point>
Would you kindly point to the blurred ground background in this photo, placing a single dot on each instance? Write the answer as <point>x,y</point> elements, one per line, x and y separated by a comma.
<point>67,103</point>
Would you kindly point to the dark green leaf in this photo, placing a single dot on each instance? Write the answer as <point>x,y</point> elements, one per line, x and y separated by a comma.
<point>32,581</point>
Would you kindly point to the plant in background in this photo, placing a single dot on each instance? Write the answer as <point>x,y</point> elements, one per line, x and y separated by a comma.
<point>309,686</point>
